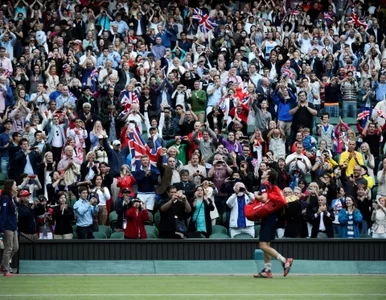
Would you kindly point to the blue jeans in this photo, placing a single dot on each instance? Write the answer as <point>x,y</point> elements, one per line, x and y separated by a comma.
<point>4,165</point>
<point>349,107</point>
<point>333,111</point>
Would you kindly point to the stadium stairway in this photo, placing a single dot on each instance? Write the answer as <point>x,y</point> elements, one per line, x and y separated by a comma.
<point>176,267</point>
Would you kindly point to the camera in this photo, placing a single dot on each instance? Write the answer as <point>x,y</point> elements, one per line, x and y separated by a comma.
<point>93,199</point>
<point>242,190</point>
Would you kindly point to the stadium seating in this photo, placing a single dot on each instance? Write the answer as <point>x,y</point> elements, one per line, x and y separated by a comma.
<point>100,236</point>
<point>219,229</point>
<point>157,219</point>
<point>219,235</point>
<point>106,230</point>
<point>117,236</point>
<point>243,236</point>
<point>151,231</point>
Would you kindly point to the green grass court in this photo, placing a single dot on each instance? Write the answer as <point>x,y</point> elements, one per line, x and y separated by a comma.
<point>193,287</point>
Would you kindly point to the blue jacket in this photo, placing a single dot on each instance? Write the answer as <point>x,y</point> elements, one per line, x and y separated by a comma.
<point>343,219</point>
<point>4,140</point>
<point>145,183</point>
<point>28,218</point>
<point>8,220</point>
<point>283,106</point>
<point>116,158</point>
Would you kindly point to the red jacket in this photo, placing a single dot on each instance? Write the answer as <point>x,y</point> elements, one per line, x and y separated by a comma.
<point>243,115</point>
<point>136,223</point>
<point>126,182</point>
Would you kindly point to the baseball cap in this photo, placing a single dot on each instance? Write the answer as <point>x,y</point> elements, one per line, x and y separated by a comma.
<point>242,48</point>
<point>100,137</point>
<point>24,193</point>
<point>126,190</point>
<point>116,142</point>
<point>223,49</point>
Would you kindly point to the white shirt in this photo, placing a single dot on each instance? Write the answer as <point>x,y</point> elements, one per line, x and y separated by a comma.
<point>28,167</point>
<point>139,28</point>
<point>57,139</point>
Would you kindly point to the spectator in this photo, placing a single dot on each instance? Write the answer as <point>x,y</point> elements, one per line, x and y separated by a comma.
<point>349,219</point>
<point>63,215</point>
<point>238,223</point>
<point>321,218</point>
<point>28,216</point>
<point>378,216</point>
<point>136,217</point>
<point>145,179</point>
<point>85,211</point>
<point>103,194</point>
<point>174,213</point>
<point>8,225</point>
<point>201,220</point>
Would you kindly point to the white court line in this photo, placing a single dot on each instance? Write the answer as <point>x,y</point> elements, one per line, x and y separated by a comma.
<point>190,295</point>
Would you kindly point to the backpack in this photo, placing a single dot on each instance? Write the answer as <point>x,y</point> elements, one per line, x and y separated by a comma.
<point>259,210</point>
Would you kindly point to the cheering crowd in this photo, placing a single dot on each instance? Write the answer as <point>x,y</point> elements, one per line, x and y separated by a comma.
<point>147,108</point>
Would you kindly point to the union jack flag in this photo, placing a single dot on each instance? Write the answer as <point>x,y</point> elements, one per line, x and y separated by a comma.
<point>354,19</point>
<point>327,16</point>
<point>293,12</point>
<point>72,95</point>
<point>94,75</point>
<point>245,100</point>
<point>363,114</point>
<point>288,73</point>
<point>222,105</point>
<point>381,113</point>
<point>138,147</point>
<point>205,23</point>
<point>127,100</point>
<point>7,73</point>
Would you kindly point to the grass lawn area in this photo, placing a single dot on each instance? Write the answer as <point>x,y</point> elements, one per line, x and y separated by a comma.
<point>192,287</point>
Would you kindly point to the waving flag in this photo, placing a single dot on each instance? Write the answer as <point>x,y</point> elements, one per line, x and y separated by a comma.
<point>288,73</point>
<point>354,19</point>
<point>72,95</point>
<point>94,75</point>
<point>7,73</point>
<point>205,23</point>
<point>327,16</point>
<point>363,114</point>
<point>293,12</point>
<point>138,147</point>
<point>381,113</point>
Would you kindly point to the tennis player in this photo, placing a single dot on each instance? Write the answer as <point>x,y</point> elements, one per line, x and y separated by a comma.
<point>268,228</point>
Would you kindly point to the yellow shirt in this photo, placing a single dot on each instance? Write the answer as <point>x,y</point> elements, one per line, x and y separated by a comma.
<point>370,181</point>
<point>351,162</point>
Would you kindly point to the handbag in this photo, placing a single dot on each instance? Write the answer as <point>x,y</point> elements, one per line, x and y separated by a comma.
<point>180,225</point>
<point>193,223</point>
<point>259,210</point>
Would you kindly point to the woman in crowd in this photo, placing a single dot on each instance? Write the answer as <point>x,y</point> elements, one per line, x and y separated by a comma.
<point>103,196</point>
<point>63,215</point>
<point>8,225</point>
<point>349,219</point>
<point>378,216</point>
<point>201,207</point>
<point>136,217</point>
